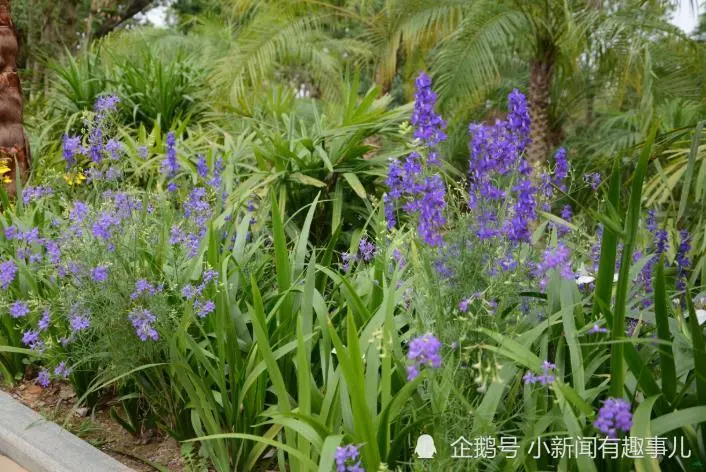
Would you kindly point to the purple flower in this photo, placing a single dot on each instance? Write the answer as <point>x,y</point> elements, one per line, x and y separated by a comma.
<point>497,151</point>
<point>106,104</point>
<point>613,417</point>
<point>597,329</point>
<point>100,273</point>
<point>62,371</point>
<point>545,378</point>
<point>77,216</point>
<point>142,320</point>
<point>204,308</point>
<point>651,221</point>
<point>177,235</point>
<point>345,261</point>
<point>43,378</point>
<point>218,167</point>
<point>347,459</point>
<point>71,147</point>
<point>19,309</point>
<point>53,251</point>
<point>112,173</point>
<point>429,125</point>
<point>78,322</point>
<point>555,258</point>
<point>11,232</point>
<point>143,152</point>
<point>561,169</point>
<point>104,226</point>
<point>423,350</point>
<point>422,195</point>
<point>190,292</point>
<point>594,180</point>
<point>142,286</point>
<point>170,166</point>
<point>30,338</point>
<point>114,148</point>
<point>390,211</point>
<point>464,305</point>
<point>210,275</point>
<point>8,270</point>
<point>44,321</point>
<point>682,258</point>
<point>366,250</point>
<point>29,193</point>
<point>507,263</point>
<point>661,241</point>
<point>202,166</point>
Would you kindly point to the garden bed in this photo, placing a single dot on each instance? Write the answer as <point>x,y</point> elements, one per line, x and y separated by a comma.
<point>98,428</point>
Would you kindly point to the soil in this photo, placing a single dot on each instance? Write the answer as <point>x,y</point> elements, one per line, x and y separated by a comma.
<point>97,427</point>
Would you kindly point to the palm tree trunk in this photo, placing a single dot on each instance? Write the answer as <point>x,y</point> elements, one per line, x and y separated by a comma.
<point>14,146</point>
<point>541,74</point>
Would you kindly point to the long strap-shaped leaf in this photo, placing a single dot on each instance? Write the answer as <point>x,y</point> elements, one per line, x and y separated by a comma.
<point>666,356</point>
<point>691,163</point>
<point>631,223</point>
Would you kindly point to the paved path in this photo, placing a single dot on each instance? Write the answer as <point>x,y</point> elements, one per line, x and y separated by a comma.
<point>6,465</point>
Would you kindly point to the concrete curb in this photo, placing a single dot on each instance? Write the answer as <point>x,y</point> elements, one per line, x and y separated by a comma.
<point>39,445</point>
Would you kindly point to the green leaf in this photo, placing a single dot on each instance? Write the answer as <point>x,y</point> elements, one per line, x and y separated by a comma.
<point>617,370</point>
<point>328,452</point>
<point>698,349</point>
<point>263,344</point>
<point>306,180</point>
<point>270,442</point>
<point>641,428</point>
<point>666,356</point>
<point>284,272</point>
<point>691,163</point>
<point>609,245</point>
<point>355,184</point>
<point>678,419</point>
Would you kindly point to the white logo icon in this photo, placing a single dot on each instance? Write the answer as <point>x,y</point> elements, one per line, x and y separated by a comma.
<point>425,447</point>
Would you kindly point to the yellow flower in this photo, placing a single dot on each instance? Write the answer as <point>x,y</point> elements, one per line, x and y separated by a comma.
<point>74,179</point>
<point>4,169</point>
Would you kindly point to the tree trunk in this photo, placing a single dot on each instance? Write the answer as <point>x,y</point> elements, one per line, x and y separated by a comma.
<point>14,146</point>
<point>541,74</point>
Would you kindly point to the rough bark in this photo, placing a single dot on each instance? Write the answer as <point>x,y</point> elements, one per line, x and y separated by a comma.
<point>14,146</point>
<point>541,73</point>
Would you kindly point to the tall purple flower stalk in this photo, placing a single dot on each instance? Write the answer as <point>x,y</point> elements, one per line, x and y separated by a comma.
<point>497,155</point>
<point>682,258</point>
<point>419,191</point>
<point>170,166</point>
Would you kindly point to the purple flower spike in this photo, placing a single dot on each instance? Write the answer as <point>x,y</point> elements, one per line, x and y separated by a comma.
<point>614,417</point>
